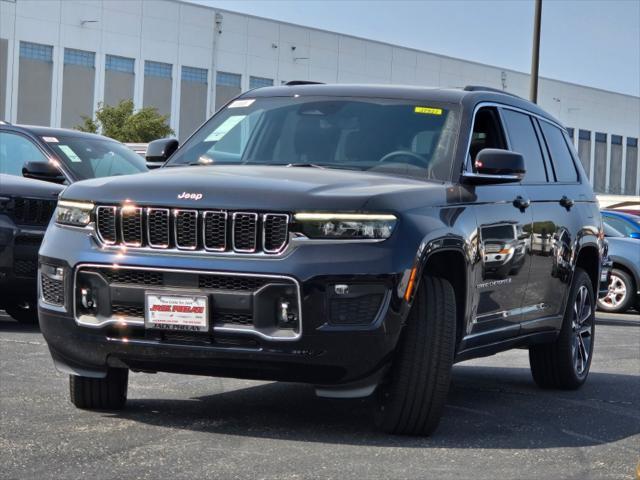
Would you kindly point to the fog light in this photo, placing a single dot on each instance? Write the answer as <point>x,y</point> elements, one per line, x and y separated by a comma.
<point>87,300</point>
<point>285,316</point>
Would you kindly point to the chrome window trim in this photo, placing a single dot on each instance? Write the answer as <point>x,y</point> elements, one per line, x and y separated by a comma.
<point>204,236</point>
<point>264,223</point>
<point>176,211</point>
<point>115,223</point>
<point>132,244</point>
<point>122,321</point>
<point>159,245</point>
<point>233,232</point>
<point>499,106</point>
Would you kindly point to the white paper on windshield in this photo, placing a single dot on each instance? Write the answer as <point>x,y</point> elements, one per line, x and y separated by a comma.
<point>242,103</point>
<point>70,154</point>
<point>50,139</point>
<point>224,128</point>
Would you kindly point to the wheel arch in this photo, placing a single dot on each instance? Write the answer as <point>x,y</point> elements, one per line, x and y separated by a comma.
<point>588,259</point>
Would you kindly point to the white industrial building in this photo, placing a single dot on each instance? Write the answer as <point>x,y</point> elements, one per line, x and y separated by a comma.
<point>59,59</point>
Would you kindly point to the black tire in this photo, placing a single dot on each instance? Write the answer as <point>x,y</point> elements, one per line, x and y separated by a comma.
<point>615,301</point>
<point>108,393</point>
<point>412,401</point>
<point>563,364</point>
<point>22,312</point>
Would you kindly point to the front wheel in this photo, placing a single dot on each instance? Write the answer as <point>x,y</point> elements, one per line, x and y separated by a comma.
<point>108,393</point>
<point>22,311</point>
<point>565,363</point>
<point>412,401</point>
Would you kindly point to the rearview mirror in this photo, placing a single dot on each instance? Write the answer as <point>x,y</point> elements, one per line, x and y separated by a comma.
<point>45,171</point>
<point>159,151</point>
<point>496,166</point>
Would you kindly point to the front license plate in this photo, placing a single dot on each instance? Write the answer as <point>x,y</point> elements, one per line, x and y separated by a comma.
<point>185,313</point>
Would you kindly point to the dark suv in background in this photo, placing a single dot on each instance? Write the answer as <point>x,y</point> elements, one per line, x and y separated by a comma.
<point>344,236</point>
<point>35,165</point>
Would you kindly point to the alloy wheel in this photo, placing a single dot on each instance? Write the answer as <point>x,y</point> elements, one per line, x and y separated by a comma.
<point>616,294</point>
<point>582,325</point>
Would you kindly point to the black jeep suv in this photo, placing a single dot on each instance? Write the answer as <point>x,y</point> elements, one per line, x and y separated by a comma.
<point>34,163</point>
<point>358,238</point>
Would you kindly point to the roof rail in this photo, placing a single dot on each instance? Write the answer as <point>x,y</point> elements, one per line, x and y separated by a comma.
<point>293,83</point>
<point>480,88</point>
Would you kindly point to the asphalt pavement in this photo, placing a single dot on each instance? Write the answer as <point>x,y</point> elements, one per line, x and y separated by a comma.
<point>497,423</point>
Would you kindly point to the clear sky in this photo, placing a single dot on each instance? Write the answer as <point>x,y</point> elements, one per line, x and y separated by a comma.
<point>590,42</point>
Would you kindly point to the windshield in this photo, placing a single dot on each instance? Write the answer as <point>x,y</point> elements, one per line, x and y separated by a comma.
<point>94,157</point>
<point>392,136</point>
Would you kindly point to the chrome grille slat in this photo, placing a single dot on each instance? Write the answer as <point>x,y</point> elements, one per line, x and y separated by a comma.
<point>214,230</point>
<point>185,229</point>
<point>158,220</point>
<point>106,223</point>
<point>244,232</point>
<point>192,229</point>
<point>131,226</point>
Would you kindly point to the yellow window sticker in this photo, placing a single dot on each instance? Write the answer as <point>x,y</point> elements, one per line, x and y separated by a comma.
<point>428,110</point>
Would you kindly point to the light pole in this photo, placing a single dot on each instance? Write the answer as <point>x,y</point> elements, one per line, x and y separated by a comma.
<point>535,52</point>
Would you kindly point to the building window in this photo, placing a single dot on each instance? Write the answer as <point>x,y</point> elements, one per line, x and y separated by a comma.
<point>157,69</point>
<point>601,137</point>
<point>632,142</point>
<point>570,132</point>
<point>616,139</point>
<point>79,57</point>
<point>36,51</point>
<point>584,135</point>
<point>225,79</point>
<point>197,75</point>
<point>120,64</point>
<point>257,82</point>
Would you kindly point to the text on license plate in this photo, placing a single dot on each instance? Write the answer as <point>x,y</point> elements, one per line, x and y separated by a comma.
<point>188,313</point>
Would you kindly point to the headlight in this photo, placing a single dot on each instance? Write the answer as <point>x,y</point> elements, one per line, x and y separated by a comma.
<point>74,213</point>
<point>354,226</point>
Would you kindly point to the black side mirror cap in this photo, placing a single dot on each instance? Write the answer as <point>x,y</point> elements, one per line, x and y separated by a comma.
<point>493,165</point>
<point>45,171</point>
<point>159,151</point>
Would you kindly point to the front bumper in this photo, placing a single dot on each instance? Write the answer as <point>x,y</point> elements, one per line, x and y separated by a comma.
<point>318,351</point>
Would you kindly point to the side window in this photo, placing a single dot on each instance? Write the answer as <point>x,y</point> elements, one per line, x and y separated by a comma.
<point>487,132</point>
<point>560,155</point>
<point>15,151</point>
<point>619,225</point>
<point>525,141</point>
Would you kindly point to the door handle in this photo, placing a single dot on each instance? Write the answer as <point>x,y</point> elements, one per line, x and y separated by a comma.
<point>521,203</point>
<point>566,202</point>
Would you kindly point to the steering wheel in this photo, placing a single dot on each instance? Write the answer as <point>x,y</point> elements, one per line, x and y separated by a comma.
<point>419,160</point>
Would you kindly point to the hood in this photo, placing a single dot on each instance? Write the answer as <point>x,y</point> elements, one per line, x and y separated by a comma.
<point>13,186</point>
<point>253,187</point>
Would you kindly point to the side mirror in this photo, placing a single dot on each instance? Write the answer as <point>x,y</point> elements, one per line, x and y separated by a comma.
<point>635,235</point>
<point>159,151</point>
<point>496,166</point>
<point>46,171</point>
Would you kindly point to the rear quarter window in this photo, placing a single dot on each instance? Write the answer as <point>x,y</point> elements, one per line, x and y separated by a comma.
<point>560,154</point>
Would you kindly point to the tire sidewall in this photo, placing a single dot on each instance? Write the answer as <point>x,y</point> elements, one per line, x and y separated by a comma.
<point>628,301</point>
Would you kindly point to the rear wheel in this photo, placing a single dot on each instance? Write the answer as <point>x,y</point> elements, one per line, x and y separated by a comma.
<point>565,363</point>
<point>108,393</point>
<point>412,401</point>
<point>22,311</point>
<point>621,294</point>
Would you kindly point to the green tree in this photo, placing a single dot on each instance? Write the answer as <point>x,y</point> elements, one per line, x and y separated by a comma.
<point>121,123</point>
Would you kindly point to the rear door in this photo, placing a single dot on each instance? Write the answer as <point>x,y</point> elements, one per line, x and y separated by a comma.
<point>550,184</point>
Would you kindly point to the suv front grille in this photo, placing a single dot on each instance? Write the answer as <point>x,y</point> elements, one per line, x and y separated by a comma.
<point>195,230</point>
<point>33,211</point>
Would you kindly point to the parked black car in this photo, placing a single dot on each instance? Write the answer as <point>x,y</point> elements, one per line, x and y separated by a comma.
<point>29,156</point>
<point>332,234</point>
<point>26,207</point>
<point>624,283</point>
